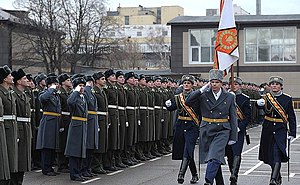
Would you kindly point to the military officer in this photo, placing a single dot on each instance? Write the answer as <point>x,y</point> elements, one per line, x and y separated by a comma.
<point>243,109</point>
<point>219,123</point>
<point>9,120</point>
<point>186,131</point>
<point>92,142</point>
<point>4,170</point>
<point>113,121</point>
<point>63,92</point>
<point>122,101</point>
<point>131,110</point>
<point>24,126</point>
<point>48,131</point>
<point>40,86</point>
<point>97,164</point>
<point>279,126</point>
<point>77,135</point>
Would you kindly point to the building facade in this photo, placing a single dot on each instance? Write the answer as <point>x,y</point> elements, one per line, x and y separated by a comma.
<point>268,45</point>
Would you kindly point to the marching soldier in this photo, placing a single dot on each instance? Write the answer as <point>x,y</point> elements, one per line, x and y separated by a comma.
<point>122,101</point>
<point>48,133</point>
<point>24,126</point>
<point>4,170</point>
<point>243,109</point>
<point>92,127</point>
<point>97,165</point>
<point>131,110</point>
<point>219,123</point>
<point>9,120</point>
<point>186,131</point>
<point>63,92</point>
<point>166,115</point>
<point>77,135</point>
<point>113,121</point>
<point>40,86</point>
<point>279,126</point>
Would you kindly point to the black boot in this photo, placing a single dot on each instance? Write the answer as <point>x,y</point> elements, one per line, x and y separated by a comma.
<point>235,169</point>
<point>275,173</point>
<point>183,168</point>
<point>193,169</point>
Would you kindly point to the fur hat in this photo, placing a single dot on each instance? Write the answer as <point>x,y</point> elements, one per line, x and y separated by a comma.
<point>18,74</point>
<point>77,81</point>
<point>149,78</point>
<point>51,79</point>
<point>29,77</point>
<point>141,76</point>
<point>119,73</point>
<point>190,78</point>
<point>4,72</point>
<point>38,78</point>
<point>108,73</point>
<point>216,74</point>
<point>63,77</point>
<point>277,79</point>
<point>98,75</point>
<point>164,80</point>
<point>89,78</point>
<point>129,75</point>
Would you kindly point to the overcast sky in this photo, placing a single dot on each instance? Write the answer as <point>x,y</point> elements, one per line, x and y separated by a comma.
<point>198,7</point>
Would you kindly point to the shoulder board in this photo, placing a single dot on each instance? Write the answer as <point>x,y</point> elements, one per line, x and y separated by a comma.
<point>93,91</point>
<point>287,95</point>
<point>245,95</point>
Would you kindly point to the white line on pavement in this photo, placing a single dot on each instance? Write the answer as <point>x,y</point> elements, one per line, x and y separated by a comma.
<point>91,180</point>
<point>168,154</point>
<point>155,159</point>
<point>249,150</point>
<point>134,166</point>
<point>113,173</point>
<point>292,174</point>
<point>253,168</point>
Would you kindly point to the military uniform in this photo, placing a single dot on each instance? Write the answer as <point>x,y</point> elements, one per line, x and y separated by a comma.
<point>48,131</point>
<point>166,117</point>
<point>275,128</point>
<point>4,170</point>
<point>218,125</point>
<point>77,135</point>
<point>97,166</point>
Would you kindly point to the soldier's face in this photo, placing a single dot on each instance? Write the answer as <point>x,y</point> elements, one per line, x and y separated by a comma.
<point>23,81</point>
<point>187,85</point>
<point>143,82</point>
<point>31,84</point>
<point>9,79</point>
<point>43,83</point>
<point>101,81</point>
<point>131,81</point>
<point>81,88</point>
<point>215,85</point>
<point>67,83</point>
<point>164,84</point>
<point>112,78</point>
<point>121,79</point>
<point>157,83</point>
<point>236,87</point>
<point>150,84</point>
<point>275,87</point>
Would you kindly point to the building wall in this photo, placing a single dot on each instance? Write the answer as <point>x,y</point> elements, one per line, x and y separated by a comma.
<point>256,73</point>
<point>169,12</point>
<point>4,45</point>
<point>141,19</point>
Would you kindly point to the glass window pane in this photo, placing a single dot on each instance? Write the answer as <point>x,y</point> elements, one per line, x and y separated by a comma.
<point>212,54</point>
<point>205,37</point>
<point>290,35</point>
<point>276,36</point>
<point>205,54</point>
<point>263,53</point>
<point>251,53</point>
<point>195,54</point>
<point>251,37</point>
<point>214,33</point>
<point>290,53</point>
<point>264,36</point>
<point>277,53</point>
<point>195,38</point>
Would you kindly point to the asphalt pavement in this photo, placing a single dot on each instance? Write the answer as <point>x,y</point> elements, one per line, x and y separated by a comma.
<point>164,171</point>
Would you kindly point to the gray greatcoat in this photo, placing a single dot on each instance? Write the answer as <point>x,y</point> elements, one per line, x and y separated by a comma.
<point>48,133</point>
<point>24,130</point>
<point>11,128</point>
<point>4,169</point>
<point>77,136</point>
<point>215,136</point>
<point>92,124</point>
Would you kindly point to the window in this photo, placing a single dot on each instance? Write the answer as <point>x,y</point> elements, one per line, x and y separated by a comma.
<point>165,33</point>
<point>273,45</point>
<point>201,46</point>
<point>126,20</point>
<point>139,33</point>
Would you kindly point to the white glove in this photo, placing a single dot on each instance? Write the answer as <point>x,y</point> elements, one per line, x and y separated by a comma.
<point>290,138</point>
<point>205,88</point>
<point>53,86</point>
<point>231,142</point>
<point>127,124</point>
<point>88,83</point>
<point>260,102</point>
<point>168,103</point>
<point>61,129</point>
<point>238,129</point>
<point>77,88</point>
<point>139,122</point>
<point>162,120</point>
